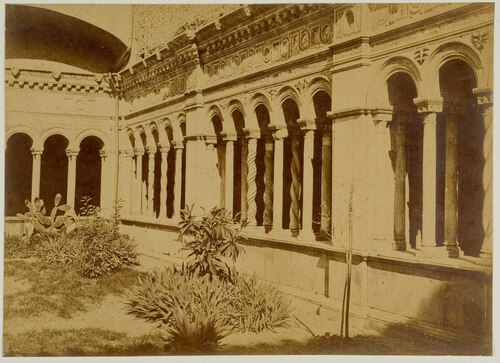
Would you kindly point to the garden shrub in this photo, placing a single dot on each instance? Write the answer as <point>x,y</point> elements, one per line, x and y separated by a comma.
<point>196,311</point>
<point>100,249</point>
<point>212,239</point>
<point>21,247</point>
<point>259,305</point>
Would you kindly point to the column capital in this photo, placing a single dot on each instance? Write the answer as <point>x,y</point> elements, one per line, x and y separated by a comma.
<point>36,151</point>
<point>178,144</point>
<point>484,96</point>
<point>429,105</point>
<point>151,150</point>
<point>72,152</point>
<point>229,136</point>
<point>164,149</point>
<point>279,133</point>
<point>382,114</point>
<point>251,133</point>
<point>307,124</point>
<point>138,152</point>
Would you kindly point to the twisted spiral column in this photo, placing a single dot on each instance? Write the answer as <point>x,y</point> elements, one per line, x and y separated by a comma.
<point>179,149</point>
<point>251,185</point>
<point>485,100</point>
<point>268,185</point>
<point>139,193</point>
<point>163,182</point>
<point>295,188</point>
<point>151,180</point>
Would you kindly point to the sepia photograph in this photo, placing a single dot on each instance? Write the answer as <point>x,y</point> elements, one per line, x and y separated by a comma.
<point>194,179</point>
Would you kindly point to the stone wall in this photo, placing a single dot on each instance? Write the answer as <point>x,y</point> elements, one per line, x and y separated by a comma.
<point>155,25</point>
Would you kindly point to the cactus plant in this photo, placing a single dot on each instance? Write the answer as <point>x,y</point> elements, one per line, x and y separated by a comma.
<point>52,224</point>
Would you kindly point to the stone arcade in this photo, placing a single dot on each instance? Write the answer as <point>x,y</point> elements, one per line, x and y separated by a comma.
<point>280,113</point>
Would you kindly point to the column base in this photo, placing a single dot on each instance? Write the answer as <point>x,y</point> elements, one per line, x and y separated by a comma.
<point>432,252</point>
<point>307,236</point>
<point>399,244</point>
<point>454,251</point>
<point>485,259</point>
<point>382,245</point>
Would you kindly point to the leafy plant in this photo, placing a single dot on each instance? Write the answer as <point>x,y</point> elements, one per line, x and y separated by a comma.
<point>51,224</point>
<point>87,209</point>
<point>99,249</point>
<point>260,306</point>
<point>18,247</point>
<point>212,239</point>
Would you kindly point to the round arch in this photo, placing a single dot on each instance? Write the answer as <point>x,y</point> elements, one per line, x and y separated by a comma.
<point>22,129</point>
<point>56,131</point>
<point>91,132</point>
<point>443,54</point>
<point>387,70</point>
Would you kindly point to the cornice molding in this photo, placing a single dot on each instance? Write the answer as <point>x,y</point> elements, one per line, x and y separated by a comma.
<point>46,80</point>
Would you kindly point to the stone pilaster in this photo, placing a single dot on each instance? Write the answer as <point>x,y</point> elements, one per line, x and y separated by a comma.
<point>70,195</point>
<point>485,100</point>
<point>35,175</point>
<point>429,109</point>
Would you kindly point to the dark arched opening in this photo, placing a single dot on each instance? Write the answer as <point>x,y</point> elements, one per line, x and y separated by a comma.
<point>18,173</point>
<point>291,113</point>
<point>54,170</point>
<point>461,121</point>
<point>88,172</point>
<point>406,146</point>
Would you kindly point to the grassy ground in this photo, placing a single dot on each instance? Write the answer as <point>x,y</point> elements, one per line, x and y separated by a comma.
<point>52,311</point>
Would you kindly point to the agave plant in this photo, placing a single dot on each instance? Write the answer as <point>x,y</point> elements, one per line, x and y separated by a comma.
<point>51,224</point>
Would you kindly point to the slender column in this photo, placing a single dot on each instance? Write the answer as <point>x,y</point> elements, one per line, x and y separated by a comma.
<point>70,196</point>
<point>163,181</point>
<point>400,184</point>
<point>384,177</point>
<point>35,176</point>
<point>251,174</point>
<point>229,174</point>
<point>179,148</point>
<point>308,126</point>
<point>429,109</point>
<point>151,179</point>
<point>326,181</point>
<point>279,135</point>
<point>138,181</point>
<point>268,184</point>
<point>105,204</point>
<point>450,192</point>
<point>244,169</point>
<point>485,100</point>
<point>295,187</point>
<point>131,177</point>
<point>122,182</point>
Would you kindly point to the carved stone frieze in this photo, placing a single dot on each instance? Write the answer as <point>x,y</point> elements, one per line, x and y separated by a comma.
<point>479,39</point>
<point>421,55</point>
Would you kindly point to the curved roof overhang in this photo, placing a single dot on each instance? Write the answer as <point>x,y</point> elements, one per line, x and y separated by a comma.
<point>37,33</point>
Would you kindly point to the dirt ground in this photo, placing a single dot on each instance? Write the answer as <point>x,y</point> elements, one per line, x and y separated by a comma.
<point>109,315</point>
